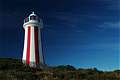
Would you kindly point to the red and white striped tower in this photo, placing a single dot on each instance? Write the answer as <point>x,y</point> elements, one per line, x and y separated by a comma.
<point>32,52</point>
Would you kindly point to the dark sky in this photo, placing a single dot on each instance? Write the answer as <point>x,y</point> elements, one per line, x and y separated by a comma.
<point>83,33</point>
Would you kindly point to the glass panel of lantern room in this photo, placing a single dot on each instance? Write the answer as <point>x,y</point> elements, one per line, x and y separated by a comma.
<point>31,17</point>
<point>34,17</point>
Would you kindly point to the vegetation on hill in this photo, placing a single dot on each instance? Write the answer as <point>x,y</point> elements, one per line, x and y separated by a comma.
<point>13,69</point>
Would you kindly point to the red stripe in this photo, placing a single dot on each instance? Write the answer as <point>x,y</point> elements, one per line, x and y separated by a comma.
<point>28,47</point>
<point>36,45</point>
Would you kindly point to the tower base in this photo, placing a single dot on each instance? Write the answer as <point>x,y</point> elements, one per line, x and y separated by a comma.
<point>34,65</point>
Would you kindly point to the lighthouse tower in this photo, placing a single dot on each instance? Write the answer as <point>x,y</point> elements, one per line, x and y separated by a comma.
<point>32,52</point>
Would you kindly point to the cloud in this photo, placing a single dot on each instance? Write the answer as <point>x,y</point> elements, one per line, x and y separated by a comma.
<point>102,46</point>
<point>110,25</point>
<point>73,19</point>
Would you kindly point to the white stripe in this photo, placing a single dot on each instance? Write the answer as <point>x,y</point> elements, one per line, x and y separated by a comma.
<point>32,45</point>
<point>40,47</point>
<point>25,44</point>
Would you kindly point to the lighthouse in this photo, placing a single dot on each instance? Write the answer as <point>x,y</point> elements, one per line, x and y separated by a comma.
<point>33,49</point>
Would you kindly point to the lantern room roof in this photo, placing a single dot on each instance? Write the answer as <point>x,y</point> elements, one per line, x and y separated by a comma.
<point>33,14</point>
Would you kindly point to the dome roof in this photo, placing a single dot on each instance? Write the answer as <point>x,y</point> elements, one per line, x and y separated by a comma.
<point>33,14</point>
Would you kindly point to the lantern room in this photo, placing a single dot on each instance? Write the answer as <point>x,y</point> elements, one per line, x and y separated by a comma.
<point>31,17</point>
<point>33,20</point>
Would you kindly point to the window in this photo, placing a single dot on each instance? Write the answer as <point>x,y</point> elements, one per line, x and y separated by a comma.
<point>32,17</point>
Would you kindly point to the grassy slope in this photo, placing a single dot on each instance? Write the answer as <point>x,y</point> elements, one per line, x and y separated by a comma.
<point>13,69</point>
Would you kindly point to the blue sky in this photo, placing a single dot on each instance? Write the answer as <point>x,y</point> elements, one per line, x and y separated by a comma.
<point>83,33</point>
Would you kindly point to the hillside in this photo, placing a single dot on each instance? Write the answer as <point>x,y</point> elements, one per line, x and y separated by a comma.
<point>13,69</point>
